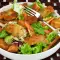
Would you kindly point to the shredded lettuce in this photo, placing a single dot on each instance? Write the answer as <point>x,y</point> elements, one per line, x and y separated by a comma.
<point>39,4</point>
<point>51,36</point>
<point>38,28</point>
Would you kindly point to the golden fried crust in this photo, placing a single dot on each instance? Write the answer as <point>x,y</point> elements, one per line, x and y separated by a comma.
<point>56,23</point>
<point>3,45</point>
<point>13,48</point>
<point>8,15</point>
<point>35,7</point>
<point>35,39</point>
<point>48,10</point>
<point>29,19</point>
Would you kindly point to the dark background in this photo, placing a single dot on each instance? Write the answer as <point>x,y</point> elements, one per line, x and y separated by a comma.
<point>52,2</point>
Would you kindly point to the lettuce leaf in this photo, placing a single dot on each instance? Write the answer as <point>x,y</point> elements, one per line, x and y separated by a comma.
<point>18,8</point>
<point>3,34</point>
<point>38,28</point>
<point>51,36</point>
<point>39,4</point>
<point>27,49</point>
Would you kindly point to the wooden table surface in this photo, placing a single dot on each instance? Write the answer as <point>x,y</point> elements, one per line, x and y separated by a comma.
<point>55,4</point>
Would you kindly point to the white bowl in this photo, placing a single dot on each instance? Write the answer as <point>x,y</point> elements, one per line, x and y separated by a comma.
<point>26,56</point>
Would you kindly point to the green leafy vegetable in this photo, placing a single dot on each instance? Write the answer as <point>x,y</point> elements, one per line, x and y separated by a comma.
<point>49,15</point>
<point>8,39</point>
<point>38,28</point>
<point>39,47</point>
<point>21,17</point>
<point>51,36</point>
<point>31,5</point>
<point>3,34</point>
<point>26,49</point>
<point>35,49</point>
<point>39,4</point>
<point>18,8</point>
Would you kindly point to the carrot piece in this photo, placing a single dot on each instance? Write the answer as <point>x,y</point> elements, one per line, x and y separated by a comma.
<point>29,28</point>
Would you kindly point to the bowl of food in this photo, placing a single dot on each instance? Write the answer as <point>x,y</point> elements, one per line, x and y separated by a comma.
<point>24,37</point>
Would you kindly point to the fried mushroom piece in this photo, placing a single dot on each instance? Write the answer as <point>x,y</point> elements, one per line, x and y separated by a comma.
<point>16,30</point>
<point>55,23</point>
<point>35,39</point>
<point>13,48</point>
<point>3,45</point>
<point>47,10</point>
<point>29,19</point>
<point>8,15</point>
<point>35,7</point>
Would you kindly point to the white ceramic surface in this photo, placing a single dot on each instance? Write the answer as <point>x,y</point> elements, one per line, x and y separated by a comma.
<point>27,57</point>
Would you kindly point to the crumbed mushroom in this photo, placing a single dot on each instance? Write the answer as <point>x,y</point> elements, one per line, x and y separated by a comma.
<point>3,45</point>
<point>13,48</point>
